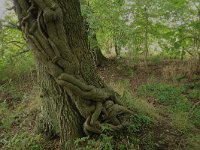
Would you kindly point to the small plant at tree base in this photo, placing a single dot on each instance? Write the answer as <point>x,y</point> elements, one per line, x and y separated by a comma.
<point>25,141</point>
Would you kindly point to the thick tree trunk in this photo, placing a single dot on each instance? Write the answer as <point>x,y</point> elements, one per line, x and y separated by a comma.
<point>73,93</point>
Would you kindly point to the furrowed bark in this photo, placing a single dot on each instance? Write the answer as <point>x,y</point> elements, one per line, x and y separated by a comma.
<point>72,91</point>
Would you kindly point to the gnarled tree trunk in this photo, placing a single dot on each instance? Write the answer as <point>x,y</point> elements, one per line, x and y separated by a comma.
<point>74,96</point>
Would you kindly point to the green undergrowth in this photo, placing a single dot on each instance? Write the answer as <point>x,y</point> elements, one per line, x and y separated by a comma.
<point>162,93</point>
<point>166,116</point>
<point>137,134</point>
<point>17,115</point>
<point>9,88</point>
<point>23,141</point>
<point>180,103</point>
<point>17,126</point>
<point>13,67</point>
<point>134,102</point>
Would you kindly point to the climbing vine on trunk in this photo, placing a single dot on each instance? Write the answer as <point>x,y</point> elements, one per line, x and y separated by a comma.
<point>46,27</point>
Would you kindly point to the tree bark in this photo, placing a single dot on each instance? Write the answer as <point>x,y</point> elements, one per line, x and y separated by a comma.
<point>74,97</point>
<point>146,36</point>
<point>100,59</point>
<point>117,50</point>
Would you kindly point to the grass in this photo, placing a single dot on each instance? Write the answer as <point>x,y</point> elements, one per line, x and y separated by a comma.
<point>10,69</point>
<point>137,104</point>
<point>194,94</point>
<point>167,116</point>
<point>176,103</point>
<point>162,93</point>
<point>17,125</point>
<point>17,114</point>
<point>24,141</point>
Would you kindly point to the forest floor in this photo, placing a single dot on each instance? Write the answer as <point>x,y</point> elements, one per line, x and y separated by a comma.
<point>165,96</point>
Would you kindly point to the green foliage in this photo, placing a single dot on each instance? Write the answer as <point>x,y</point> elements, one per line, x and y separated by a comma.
<point>141,123</point>
<point>15,57</point>
<point>11,89</point>
<point>156,59</point>
<point>181,122</point>
<point>162,93</point>
<point>8,117</point>
<point>195,116</point>
<point>133,102</point>
<point>194,94</point>
<point>181,106</point>
<point>172,25</point>
<point>173,32</point>
<point>184,114</point>
<point>107,142</point>
<point>23,141</point>
<point>81,140</point>
<point>13,68</point>
<point>104,142</point>
<point>142,126</point>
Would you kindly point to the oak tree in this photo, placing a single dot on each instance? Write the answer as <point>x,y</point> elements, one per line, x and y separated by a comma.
<point>74,97</point>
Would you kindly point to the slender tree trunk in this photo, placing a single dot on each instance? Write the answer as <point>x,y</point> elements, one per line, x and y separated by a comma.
<point>2,39</point>
<point>100,59</point>
<point>116,46</point>
<point>198,43</point>
<point>117,50</point>
<point>74,97</point>
<point>146,36</point>
<point>182,53</point>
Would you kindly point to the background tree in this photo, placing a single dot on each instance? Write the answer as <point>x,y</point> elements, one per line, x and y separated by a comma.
<point>87,13</point>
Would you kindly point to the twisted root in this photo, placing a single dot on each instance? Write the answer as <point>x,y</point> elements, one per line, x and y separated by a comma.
<point>97,105</point>
<point>106,109</point>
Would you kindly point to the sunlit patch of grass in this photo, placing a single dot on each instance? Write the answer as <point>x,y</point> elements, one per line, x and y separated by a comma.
<point>181,122</point>
<point>120,86</point>
<point>142,106</point>
<point>133,102</point>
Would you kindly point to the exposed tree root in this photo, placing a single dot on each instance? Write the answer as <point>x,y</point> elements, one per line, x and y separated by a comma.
<point>42,23</point>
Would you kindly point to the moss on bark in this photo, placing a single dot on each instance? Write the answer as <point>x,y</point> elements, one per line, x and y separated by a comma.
<point>72,89</point>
